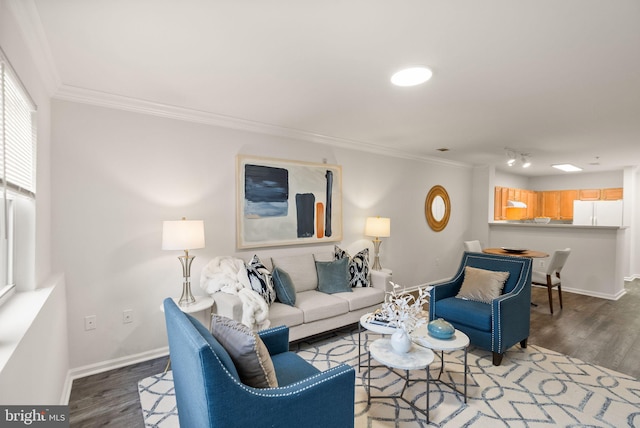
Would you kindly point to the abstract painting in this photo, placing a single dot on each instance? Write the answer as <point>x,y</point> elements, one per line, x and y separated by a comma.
<point>281,202</point>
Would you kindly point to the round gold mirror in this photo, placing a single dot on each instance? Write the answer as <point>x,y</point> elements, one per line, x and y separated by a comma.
<point>437,208</point>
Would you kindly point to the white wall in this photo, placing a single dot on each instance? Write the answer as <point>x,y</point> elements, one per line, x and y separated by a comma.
<point>515,181</point>
<point>117,175</point>
<point>599,180</point>
<point>34,370</point>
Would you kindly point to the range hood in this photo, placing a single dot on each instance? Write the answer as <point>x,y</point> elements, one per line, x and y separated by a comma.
<point>516,204</point>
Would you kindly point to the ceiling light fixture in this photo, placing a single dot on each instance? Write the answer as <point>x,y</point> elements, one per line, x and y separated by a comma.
<point>411,76</point>
<point>567,167</point>
<point>513,156</point>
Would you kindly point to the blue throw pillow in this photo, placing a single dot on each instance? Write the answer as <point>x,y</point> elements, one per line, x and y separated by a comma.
<point>333,277</point>
<point>285,291</point>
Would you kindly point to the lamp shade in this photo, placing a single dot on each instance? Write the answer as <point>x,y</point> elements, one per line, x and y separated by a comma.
<point>182,234</point>
<point>379,227</point>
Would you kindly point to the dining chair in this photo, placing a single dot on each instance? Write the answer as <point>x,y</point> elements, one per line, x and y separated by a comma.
<point>473,246</point>
<point>551,277</point>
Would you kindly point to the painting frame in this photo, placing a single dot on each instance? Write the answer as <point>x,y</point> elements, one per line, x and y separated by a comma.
<point>282,202</point>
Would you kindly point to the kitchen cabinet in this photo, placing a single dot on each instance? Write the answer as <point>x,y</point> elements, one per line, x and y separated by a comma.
<point>550,204</point>
<point>612,194</point>
<point>502,210</point>
<point>556,204</point>
<point>501,195</point>
<point>589,194</point>
<point>566,204</point>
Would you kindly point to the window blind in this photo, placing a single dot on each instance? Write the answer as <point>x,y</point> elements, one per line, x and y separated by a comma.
<point>17,134</point>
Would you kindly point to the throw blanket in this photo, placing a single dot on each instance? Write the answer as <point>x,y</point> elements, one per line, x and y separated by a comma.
<point>229,275</point>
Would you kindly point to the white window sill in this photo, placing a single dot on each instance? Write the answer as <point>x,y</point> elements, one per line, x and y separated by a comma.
<point>17,314</point>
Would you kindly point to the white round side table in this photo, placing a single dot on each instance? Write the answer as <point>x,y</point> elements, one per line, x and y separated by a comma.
<point>202,303</point>
<point>375,327</point>
<point>416,359</point>
<point>459,341</point>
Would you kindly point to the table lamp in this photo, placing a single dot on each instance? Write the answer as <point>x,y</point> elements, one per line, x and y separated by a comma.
<point>184,235</point>
<point>378,227</point>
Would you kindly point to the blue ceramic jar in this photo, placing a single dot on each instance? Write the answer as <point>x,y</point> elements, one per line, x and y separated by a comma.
<point>441,329</point>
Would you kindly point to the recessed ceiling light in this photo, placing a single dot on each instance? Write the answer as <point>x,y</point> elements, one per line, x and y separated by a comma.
<point>411,76</point>
<point>567,167</point>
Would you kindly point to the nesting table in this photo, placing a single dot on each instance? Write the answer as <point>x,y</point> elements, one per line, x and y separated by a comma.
<point>417,358</point>
<point>371,326</point>
<point>459,341</point>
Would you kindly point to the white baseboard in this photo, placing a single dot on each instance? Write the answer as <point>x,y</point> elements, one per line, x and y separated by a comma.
<point>104,366</point>
<point>589,293</point>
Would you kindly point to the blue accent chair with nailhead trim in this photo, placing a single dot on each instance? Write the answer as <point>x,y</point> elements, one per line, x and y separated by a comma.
<point>209,392</point>
<point>499,325</point>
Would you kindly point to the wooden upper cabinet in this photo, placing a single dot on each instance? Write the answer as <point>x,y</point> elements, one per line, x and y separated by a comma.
<point>589,194</point>
<point>550,204</point>
<point>497,203</point>
<point>612,194</point>
<point>566,204</point>
<point>557,204</point>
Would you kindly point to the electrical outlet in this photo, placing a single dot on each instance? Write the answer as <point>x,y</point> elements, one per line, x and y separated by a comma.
<point>90,322</point>
<point>541,263</point>
<point>127,316</point>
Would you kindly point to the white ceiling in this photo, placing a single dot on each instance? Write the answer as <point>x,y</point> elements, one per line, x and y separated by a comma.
<point>559,79</point>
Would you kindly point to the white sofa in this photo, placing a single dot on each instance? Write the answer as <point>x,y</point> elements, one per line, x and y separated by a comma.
<point>314,311</point>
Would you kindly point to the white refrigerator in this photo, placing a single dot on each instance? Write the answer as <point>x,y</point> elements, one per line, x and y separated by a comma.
<point>597,213</point>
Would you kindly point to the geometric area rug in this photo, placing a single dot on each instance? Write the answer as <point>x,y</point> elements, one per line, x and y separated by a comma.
<point>533,387</point>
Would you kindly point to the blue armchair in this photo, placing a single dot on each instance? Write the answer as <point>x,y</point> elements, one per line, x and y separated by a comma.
<point>209,392</point>
<point>497,326</point>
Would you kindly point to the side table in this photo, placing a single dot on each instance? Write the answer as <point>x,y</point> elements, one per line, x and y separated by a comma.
<point>416,359</point>
<point>371,326</point>
<point>459,341</point>
<point>201,304</point>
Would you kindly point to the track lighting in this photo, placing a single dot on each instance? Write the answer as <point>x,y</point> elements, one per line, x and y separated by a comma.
<point>512,158</point>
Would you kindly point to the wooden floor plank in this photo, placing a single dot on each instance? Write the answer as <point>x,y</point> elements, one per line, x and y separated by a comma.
<point>598,331</point>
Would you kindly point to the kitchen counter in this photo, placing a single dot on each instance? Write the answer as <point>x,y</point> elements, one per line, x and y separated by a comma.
<point>553,225</point>
<point>596,265</point>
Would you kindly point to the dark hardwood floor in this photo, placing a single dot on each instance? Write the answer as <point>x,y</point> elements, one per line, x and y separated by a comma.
<point>602,332</point>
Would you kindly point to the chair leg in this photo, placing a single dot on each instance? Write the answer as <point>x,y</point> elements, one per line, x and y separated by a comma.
<point>550,299</point>
<point>497,358</point>
<point>523,343</point>
<point>560,294</point>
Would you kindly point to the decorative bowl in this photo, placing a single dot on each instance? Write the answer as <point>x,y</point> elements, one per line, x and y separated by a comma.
<point>543,220</point>
<point>440,329</point>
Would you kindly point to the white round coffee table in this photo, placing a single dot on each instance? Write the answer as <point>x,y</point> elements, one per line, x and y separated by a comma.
<point>416,359</point>
<point>374,326</point>
<point>459,341</point>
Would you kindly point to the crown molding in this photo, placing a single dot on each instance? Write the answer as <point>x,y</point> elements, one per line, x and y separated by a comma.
<point>26,15</point>
<point>103,99</point>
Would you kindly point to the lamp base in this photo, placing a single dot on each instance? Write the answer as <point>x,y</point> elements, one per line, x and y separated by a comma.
<point>376,249</point>
<point>187,298</point>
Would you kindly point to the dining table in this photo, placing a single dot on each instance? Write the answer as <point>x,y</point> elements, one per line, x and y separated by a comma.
<point>518,252</point>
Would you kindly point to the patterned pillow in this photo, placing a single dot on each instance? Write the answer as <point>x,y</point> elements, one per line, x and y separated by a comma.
<point>261,280</point>
<point>358,266</point>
